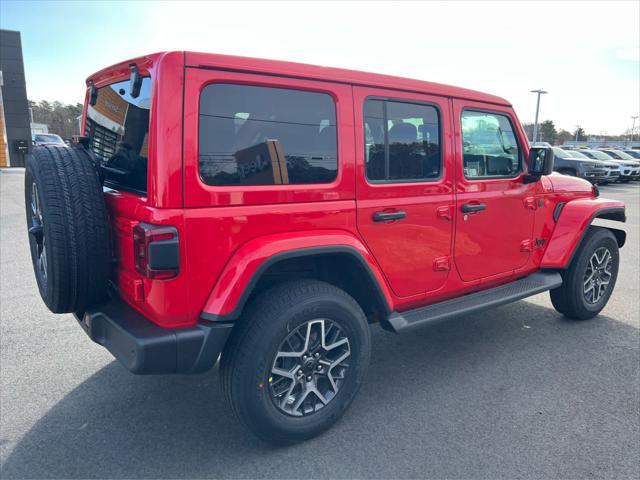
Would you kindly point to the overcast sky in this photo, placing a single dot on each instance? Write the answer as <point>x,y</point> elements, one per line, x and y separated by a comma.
<point>586,54</point>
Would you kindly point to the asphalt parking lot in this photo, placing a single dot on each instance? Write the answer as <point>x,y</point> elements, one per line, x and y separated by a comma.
<point>515,392</point>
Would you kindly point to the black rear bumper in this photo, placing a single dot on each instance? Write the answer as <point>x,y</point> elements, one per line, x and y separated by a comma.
<point>145,348</point>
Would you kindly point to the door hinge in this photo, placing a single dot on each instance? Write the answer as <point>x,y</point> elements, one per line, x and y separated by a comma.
<point>441,264</point>
<point>526,245</point>
<point>530,203</point>
<point>531,244</point>
<point>445,212</point>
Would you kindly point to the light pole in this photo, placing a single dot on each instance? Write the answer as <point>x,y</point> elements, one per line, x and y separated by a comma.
<point>633,126</point>
<point>535,125</point>
<point>577,131</point>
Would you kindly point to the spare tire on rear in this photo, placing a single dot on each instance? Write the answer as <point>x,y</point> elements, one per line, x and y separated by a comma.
<point>68,229</point>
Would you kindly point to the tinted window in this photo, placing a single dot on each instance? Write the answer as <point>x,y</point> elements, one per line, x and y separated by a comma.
<point>613,154</point>
<point>266,136</point>
<point>402,141</point>
<point>560,153</point>
<point>576,154</point>
<point>489,146</point>
<point>618,154</point>
<point>597,155</point>
<point>118,130</point>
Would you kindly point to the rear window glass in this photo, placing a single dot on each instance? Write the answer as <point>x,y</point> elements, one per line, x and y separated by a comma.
<point>118,130</point>
<point>251,135</point>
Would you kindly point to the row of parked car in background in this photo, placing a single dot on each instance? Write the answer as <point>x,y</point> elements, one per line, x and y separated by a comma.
<point>601,165</point>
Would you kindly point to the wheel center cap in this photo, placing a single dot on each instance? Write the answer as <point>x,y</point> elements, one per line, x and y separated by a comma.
<point>309,365</point>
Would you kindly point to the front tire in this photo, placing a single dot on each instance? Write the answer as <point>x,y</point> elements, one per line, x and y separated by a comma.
<point>591,277</point>
<point>296,360</point>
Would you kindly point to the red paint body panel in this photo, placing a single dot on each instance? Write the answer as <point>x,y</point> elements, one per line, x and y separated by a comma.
<point>226,233</point>
<point>576,216</point>
<point>238,272</point>
<point>488,242</point>
<point>406,249</point>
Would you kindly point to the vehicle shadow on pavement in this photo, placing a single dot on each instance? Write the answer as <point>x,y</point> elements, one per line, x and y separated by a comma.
<point>488,395</point>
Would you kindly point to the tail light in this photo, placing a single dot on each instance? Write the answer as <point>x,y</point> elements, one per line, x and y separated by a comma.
<point>156,251</point>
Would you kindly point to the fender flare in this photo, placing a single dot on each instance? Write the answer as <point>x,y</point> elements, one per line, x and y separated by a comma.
<point>573,220</point>
<point>243,271</point>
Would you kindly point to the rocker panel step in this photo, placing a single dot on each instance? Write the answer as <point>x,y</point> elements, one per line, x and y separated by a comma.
<point>475,302</point>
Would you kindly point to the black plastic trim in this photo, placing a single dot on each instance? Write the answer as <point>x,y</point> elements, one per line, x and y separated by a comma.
<point>302,252</point>
<point>557,211</point>
<point>143,347</point>
<point>475,302</point>
<point>612,213</point>
<point>387,216</point>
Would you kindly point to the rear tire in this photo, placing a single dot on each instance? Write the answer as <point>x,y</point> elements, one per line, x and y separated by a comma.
<point>580,297</point>
<point>264,343</point>
<point>68,229</point>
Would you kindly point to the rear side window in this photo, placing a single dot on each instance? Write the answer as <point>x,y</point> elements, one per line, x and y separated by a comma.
<point>118,130</point>
<point>489,146</point>
<point>251,135</point>
<point>402,141</point>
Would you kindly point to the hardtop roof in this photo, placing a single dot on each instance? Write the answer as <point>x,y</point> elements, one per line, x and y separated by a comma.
<point>315,72</point>
<point>311,72</point>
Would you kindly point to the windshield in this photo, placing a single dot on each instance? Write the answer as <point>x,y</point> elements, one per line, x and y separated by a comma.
<point>48,138</point>
<point>560,153</point>
<point>118,130</point>
<point>577,154</point>
<point>619,154</point>
<point>598,155</point>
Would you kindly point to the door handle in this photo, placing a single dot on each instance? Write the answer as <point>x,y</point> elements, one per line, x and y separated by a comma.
<point>386,216</point>
<point>473,207</point>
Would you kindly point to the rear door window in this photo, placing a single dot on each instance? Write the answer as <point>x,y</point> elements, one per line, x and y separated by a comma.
<point>250,135</point>
<point>118,130</point>
<point>402,141</point>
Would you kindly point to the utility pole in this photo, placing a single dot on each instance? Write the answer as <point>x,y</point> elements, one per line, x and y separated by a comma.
<point>633,126</point>
<point>535,125</point>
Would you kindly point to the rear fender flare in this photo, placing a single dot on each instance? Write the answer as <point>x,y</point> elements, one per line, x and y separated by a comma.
<point>573,221</point>
<point>241,274</point>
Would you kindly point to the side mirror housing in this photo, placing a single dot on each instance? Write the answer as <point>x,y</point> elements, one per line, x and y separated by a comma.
<point>540,163</point>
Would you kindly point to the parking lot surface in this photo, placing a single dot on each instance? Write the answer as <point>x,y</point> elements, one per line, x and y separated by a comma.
<point>514,392</point>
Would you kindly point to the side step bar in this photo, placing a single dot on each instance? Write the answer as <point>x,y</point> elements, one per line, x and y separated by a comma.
<point>475,302</point>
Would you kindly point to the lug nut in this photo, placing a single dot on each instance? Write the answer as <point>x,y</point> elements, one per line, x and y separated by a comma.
<point>304,357</point>
<point>317,355</point>
<point>299,373</point>
<point>309,378</point>
<point>319,367</point>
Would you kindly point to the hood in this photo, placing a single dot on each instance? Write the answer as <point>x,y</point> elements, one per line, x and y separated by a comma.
<point>564,183</point>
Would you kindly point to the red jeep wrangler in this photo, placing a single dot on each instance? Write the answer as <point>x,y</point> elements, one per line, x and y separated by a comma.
<point>269,211</point>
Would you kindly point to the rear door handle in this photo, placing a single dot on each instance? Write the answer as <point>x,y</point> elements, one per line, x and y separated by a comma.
<point>386,216</point>
<point>473,207</point>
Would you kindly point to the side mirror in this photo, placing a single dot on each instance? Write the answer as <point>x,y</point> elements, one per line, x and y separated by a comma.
<point>540,163</point>
<point>136,82</point>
